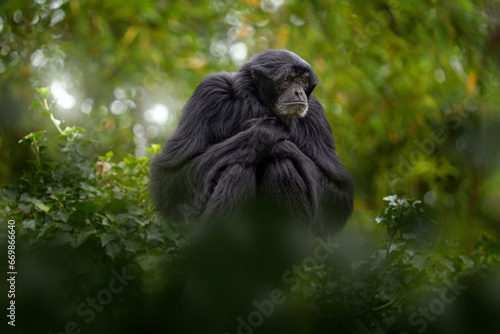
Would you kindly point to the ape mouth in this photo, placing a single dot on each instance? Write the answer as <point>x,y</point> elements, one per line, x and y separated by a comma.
<point>294,108</point>
<point>297,103</point>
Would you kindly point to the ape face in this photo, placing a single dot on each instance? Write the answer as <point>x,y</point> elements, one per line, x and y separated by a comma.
<point>291,98</point>
<point>286,91</point>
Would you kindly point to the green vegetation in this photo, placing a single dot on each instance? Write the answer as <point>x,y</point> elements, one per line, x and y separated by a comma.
<point>410,88</point>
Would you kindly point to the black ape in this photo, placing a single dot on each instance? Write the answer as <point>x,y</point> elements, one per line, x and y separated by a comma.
<point>258,133</point>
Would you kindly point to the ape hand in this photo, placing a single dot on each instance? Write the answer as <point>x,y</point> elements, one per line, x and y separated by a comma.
<point>266,131</point>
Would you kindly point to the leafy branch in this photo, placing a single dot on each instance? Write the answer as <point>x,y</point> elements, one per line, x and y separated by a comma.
<point>393,217</point>
<point>47,108</point>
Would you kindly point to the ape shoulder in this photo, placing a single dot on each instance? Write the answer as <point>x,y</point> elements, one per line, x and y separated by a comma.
<point>211,94</point>
<point>209,104</point>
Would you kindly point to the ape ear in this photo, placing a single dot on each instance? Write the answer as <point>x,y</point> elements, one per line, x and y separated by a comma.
<point>263,84</point>
<point>310,89</point>
<point>257,73</point>
<point>312,83</point>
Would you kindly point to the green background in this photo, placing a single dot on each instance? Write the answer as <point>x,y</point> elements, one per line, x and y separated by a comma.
<point>411,89</point>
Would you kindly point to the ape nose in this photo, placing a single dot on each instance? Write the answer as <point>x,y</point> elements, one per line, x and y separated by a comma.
<point>300,94</point>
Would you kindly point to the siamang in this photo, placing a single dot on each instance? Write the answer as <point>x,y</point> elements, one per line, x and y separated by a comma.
<point>252,159</point>
<point>256,134</point>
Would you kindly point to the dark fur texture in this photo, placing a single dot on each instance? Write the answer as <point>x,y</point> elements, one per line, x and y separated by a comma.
<point>231,148</point>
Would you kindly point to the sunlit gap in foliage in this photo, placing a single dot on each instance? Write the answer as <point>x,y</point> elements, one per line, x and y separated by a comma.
<point>238,52</point>
<point>159,118</point>
<point>157,114</point>
<point>122,103</point>
<point>271,6</point>
<point>64,100</point>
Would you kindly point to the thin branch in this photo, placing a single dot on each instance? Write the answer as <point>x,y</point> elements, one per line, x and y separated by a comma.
<point>396,297</point>
<point>375,286</point>
<point>392,301</point>
<point>55,123</point>
<point>52,118</point>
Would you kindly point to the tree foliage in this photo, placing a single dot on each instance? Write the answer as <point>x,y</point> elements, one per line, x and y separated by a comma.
<point>411,91</point>
<point>97,212</point>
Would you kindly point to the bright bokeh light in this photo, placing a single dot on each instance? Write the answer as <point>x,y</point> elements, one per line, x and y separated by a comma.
<point>271,6</point>
<point>238,52</point>
<point>117,107</point>
<point>439,75</point>
<point>157,114</point>
<point>63,98</point>
<point>38,58</point>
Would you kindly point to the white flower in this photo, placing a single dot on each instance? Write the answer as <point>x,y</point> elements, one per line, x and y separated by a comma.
<point>403,202</point>
<point>391,199</point>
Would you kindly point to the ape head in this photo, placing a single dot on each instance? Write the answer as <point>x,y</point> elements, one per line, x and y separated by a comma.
<point>283,81</point>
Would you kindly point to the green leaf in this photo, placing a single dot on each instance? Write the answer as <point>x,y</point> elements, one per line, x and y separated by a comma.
<point>46,229</point>
<point>29,224</point>
<point>36,104</point>
<point>44,92</point>
<point>447,263</point>
<point>34,136</point>
<point>357,264</point>
<point>89,206</point>
<point>468,261</point>
<point>131,244</point>
<point>113,249</point>
<point>84,234</point>
<point>89,188</point>
<point>61,215</point>
<point>39,204</point>
<point>37,135</point>
<point>151,259</point>
<point>106,238</point>
<point>107,157</point>
<point>153,232</point>
<point>154,149</point>
<point>8,193</point>
<point>420,262</point>
<point>410,236</point>
<point>35,201</point>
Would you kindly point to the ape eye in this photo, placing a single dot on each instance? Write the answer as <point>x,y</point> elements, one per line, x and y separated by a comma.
<point>305,80</point>
<point>288,78</point>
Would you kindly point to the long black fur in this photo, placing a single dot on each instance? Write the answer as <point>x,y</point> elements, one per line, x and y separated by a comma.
<point>230,148</point>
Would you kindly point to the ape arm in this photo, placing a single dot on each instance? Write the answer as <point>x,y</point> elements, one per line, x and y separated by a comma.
<point>328,185</point>
<point>225,172</point>
<point>336,191</point>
